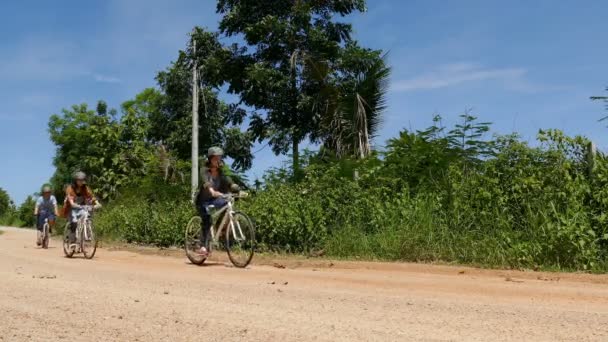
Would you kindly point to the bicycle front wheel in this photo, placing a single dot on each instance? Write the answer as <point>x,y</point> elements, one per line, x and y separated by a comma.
<point>192,241</point>
<point>45,236</point>
<point>88,240</point>
<point>240,240</point>
<point>69,252</point>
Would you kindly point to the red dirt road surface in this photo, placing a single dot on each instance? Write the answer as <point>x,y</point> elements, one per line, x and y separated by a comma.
<point>127,296</point>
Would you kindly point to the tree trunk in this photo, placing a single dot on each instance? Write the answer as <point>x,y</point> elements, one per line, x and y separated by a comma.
<point>296,158</point>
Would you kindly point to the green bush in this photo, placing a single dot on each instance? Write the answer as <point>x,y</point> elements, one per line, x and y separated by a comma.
<point>152,213</point>
<point>427,198</point>
<point>26,212</point>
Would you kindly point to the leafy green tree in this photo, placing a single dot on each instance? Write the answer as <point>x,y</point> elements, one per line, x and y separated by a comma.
<point>5,202</point>
<point>26,212</point>
<point>219,122</point>
<point>148,106</point>
<point>467,138</point>
<point>280,71</point>
<point>111,150</point>
<point>420,160</point>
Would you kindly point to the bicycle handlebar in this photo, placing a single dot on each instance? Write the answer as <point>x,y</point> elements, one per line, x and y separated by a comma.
<point>241,194</point>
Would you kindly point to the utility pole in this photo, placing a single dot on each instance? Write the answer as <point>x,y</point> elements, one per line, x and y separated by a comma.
<point>194,121</point>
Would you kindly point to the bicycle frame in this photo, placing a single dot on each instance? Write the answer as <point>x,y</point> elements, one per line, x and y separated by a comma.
<point>84,216</point>
<point>45,228</point>
<point>227,221</point>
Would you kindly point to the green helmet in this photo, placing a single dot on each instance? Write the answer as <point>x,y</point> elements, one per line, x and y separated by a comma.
<point>215,151</point>
<point>46,188</point>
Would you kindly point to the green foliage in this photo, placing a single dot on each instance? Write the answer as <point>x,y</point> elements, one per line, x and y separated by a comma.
<point>5,202</point>
<point>219,122</point>
<point>493,202</point>
<point>291,57</point>
<point>151,213</point>
<point>355,98</point>
<point>26,212</point>
<point>9,216</point>
<point>112,151</point>
<point>449,194</point>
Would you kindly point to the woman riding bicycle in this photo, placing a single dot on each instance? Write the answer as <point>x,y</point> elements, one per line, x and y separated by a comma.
<point>214,185</point>
<point>77,195</point>
<point>45,209</point>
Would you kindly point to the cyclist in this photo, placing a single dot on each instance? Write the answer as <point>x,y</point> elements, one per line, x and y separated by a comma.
<point>214,185</point>
<point>77,195</point>
<point>46,208</point>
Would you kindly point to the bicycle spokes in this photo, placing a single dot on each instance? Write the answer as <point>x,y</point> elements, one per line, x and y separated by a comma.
<point>237,232</point>
<point>240,240</point>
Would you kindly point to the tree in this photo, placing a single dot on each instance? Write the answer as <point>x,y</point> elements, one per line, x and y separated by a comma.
<point>602,98</point>
<point>289,42</point>
<point>219,122</point>
<point>148,106</point>
<point>467,138</point>
<point>26,212</point>
<point>5,202</point>
<point>112,151</point>
<point>356,100</point>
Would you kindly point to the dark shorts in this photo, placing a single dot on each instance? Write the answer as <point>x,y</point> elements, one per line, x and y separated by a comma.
<point>42,216</point>
<point>218,203</point>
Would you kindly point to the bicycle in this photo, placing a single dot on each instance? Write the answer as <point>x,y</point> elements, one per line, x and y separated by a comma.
<point>44,234</point>
<point>86,242</point>
<point>235,227</point>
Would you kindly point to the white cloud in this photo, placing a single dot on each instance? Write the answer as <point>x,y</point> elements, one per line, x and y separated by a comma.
<point>106,79</point>
<point>457,73</point>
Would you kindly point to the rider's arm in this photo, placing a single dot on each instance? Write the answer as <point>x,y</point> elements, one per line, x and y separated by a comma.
<point>207,186</point>
<point>72,203</point>
<point>55,208</point>
<point>231,185</point>
<point>70,196</point>
<point>215,193</point>
<point>38,202</point>
<point>94,200</point>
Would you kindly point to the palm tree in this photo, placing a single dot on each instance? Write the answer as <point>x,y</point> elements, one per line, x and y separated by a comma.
<point>602,98</point>
<point>354,109</point>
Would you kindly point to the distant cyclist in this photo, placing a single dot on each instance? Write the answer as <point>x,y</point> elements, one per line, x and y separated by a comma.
<point>46,208</point>
<point>215,184</point>
<point>77,195</point>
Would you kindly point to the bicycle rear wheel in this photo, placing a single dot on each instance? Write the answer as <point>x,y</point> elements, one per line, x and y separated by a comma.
<point>45,236</point>
<point>88,240</point>
<point>192,242</point>
<point>69,252</point>
<point>240,240</point>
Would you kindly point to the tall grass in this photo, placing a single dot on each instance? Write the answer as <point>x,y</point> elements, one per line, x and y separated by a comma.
<point>519,206</point>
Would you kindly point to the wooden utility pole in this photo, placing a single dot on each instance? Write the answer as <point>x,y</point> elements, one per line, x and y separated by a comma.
<point>194,121</point>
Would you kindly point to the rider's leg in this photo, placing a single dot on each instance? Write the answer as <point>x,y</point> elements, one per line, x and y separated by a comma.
<point>218,203</point>
<point>51,224</point>
<point>73,224</point>
<point>39,223</point>
<point>205,227</point>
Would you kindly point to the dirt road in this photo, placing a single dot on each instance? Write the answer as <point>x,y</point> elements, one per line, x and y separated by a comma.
<point>126,296</point>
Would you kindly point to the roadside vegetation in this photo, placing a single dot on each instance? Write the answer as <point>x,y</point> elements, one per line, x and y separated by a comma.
<point>458,193</point>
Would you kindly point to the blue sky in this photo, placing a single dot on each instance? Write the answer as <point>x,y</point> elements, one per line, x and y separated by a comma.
<point>522,65</point>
